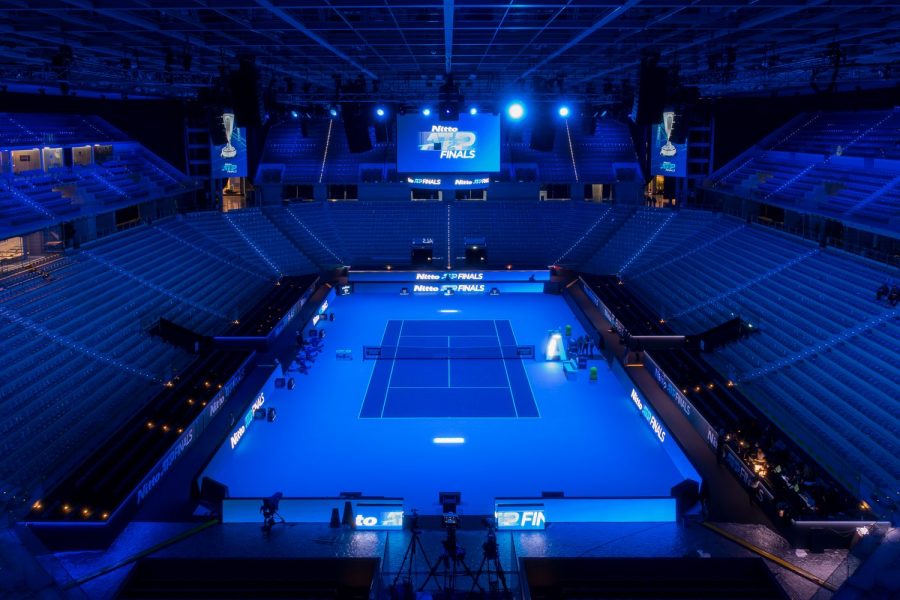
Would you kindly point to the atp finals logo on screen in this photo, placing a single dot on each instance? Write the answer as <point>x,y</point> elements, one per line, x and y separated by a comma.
<point>449,141</point>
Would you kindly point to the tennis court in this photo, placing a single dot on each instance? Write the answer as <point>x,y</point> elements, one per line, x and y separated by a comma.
<point>431,382</point>
<point>441,368</point>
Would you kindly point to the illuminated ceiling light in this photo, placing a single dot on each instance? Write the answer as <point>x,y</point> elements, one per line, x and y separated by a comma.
<point>332,112</point>
<point>294,114</point>
<point>426,112</point>
<point>564,111</point>
<point>473,111</point>
<point>515,111</point>
<point>449,440</point>
<point>379,111</point>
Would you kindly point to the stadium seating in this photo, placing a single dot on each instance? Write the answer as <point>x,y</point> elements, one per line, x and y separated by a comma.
<point>310,227</point>
<point>76,331</point>
<point>845,165</point>
<point>38,198</point>
<point>820,363</point>
<point>599,156</point>
<point>38,130</point>
<point>380,232</point>
<point>269,243</point>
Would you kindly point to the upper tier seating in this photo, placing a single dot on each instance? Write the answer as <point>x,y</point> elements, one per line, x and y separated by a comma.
<point>871,134</point>
<point>39,198</point>
<point>27,130</point>
<point>843,165</point>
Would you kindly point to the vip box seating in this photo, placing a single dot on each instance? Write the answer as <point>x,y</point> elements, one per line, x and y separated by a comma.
<point>53,194</point>
<point>821,363</point>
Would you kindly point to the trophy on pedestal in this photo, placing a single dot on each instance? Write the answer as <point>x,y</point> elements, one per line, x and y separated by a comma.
<point>668,122</point>
<point>228,151</point>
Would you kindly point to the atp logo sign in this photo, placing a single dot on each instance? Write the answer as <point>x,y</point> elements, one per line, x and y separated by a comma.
<point>449,141</point>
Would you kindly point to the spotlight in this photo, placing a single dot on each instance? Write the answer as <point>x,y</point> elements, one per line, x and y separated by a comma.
<point>515,111</point>
<point>473,111</point>
<point>332,112</point>
<point>564,111</point>
<point>294,114</point>
<point>379,111</point>
<point>426,111</point>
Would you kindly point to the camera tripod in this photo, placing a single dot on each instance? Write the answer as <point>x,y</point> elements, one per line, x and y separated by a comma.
<point>405,590</point>
<point>490,564</point>
<point>270,519</point>
<point>453,560</point>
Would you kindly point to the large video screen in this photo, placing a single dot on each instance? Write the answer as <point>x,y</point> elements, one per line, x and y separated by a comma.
<point>668,158</point>
<point>230,159</point>
<point>429,145</point>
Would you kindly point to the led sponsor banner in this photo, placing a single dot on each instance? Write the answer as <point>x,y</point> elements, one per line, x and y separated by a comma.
<point>426,144</point>
<point>321,310</point>
<point>163,467</point>
<point>644,408</point>
<point>238,434</point>
<point>475,182</point>
<point>529,514</point>
<point>369,518</point>
<point>699,423</point>
<point>747,477</point>
<point>524,519</point>
<point>293,312</point>
<point>590,293</point>
<point>449,288</point>
<point>607,313</point>
<point>437,277</point>
<point>510,287</point>
<point>191,433</point>
<point>368,514</point>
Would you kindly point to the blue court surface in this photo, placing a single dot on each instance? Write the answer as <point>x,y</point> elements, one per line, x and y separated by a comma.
<point>369,425</point>
<point>449,368</point>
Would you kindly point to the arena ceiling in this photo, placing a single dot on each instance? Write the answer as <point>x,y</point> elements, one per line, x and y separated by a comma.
<point>404,49</point>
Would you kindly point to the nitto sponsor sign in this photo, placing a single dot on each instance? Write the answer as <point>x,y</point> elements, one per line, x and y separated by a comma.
<point>648,415</point>
<point>462,276</point>
<point>163,467</point>
<point>459,288</point>
<point>238,433</point>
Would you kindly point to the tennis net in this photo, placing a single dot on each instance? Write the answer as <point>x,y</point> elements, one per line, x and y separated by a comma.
<point>422,353</point>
